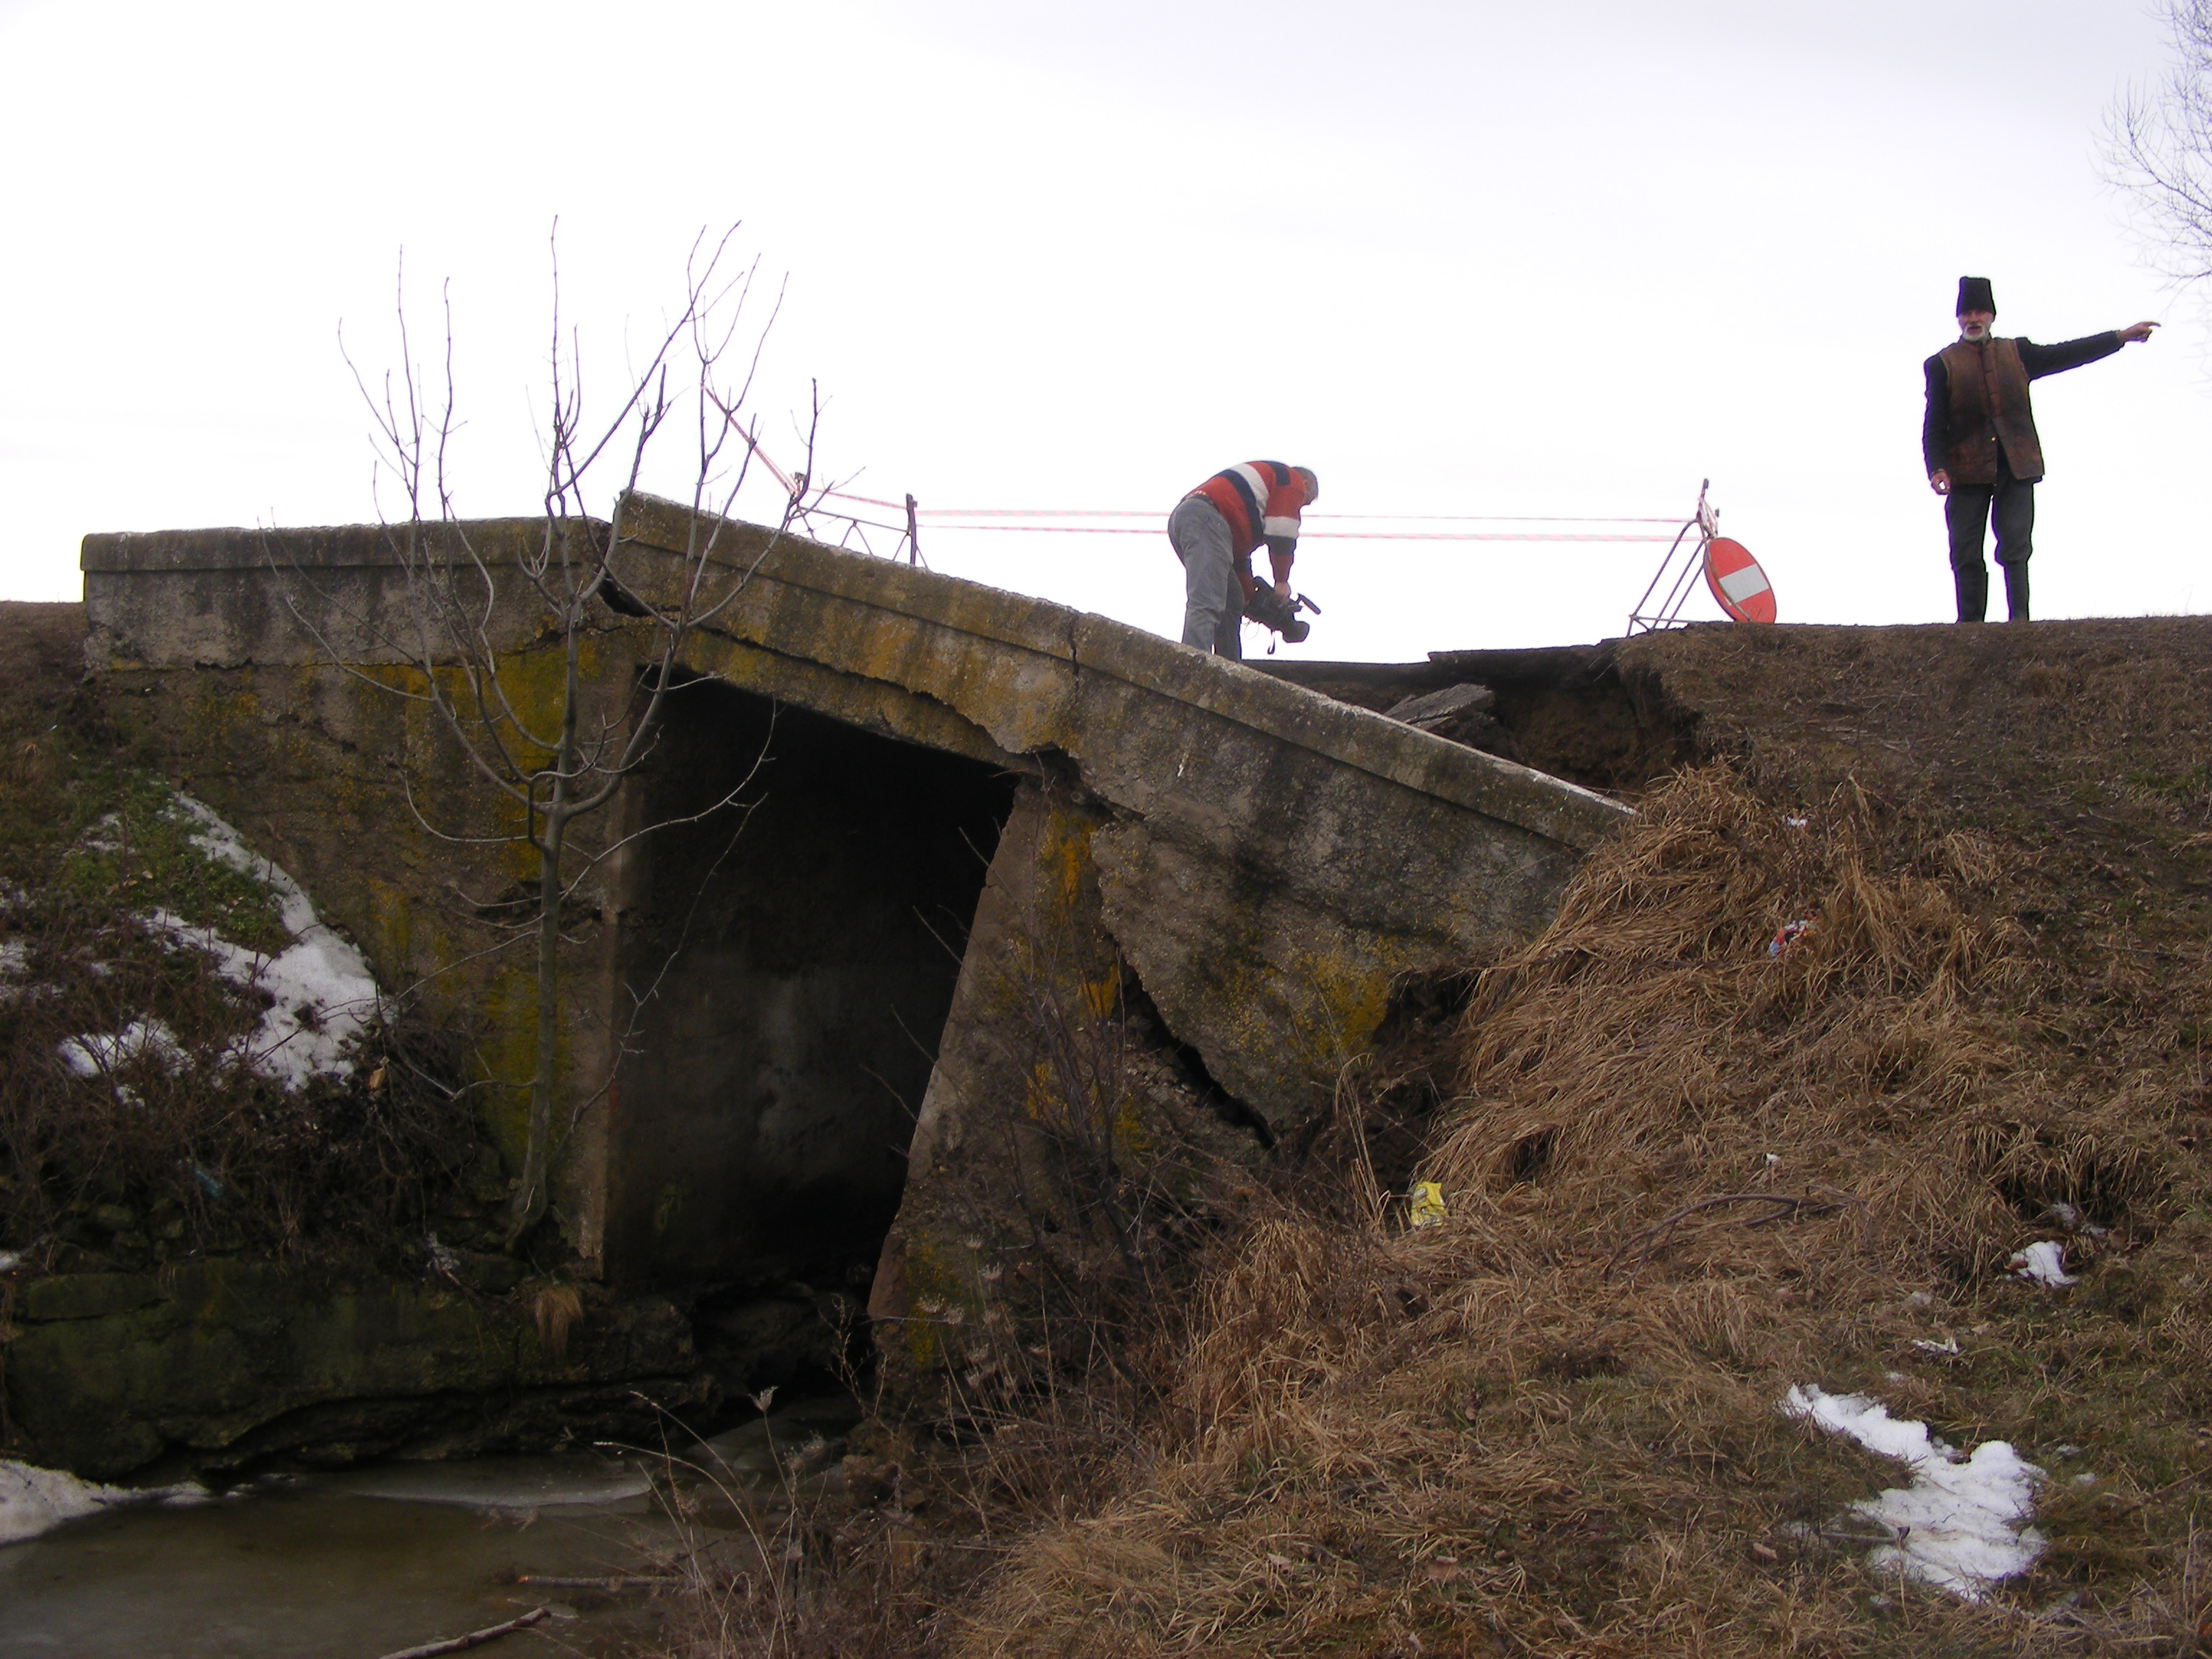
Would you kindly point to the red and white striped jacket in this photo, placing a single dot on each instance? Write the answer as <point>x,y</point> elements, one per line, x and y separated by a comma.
<point>1260,500</point>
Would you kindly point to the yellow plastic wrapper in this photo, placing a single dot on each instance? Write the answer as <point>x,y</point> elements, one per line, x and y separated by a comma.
<point>1425,1205</point>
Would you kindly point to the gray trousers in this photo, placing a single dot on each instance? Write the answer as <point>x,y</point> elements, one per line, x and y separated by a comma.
<point>1212,598</point>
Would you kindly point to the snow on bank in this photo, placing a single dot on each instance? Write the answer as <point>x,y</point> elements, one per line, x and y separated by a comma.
<point>34,1500</point>
<point>325,994</point>
<point>141,1039</point>
<point>1956,1527</point>
<point>2043,1264</point>
<point>322,994</point>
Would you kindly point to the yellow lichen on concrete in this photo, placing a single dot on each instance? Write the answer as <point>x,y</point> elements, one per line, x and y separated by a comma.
<point>940,1299</point>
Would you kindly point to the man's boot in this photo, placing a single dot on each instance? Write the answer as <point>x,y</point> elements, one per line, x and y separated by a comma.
<point>1973,587</point>
<point>2016,592</point>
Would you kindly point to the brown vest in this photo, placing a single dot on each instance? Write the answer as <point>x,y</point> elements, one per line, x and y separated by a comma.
<point>1989,413</point>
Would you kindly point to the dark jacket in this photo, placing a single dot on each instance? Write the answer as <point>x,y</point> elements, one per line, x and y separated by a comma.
<point>1979,410</point>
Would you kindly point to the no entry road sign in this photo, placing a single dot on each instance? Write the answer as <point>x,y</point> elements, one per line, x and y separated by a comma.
<point>1737,581</point>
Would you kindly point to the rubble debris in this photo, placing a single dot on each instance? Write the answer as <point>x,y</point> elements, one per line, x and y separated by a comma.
<point>1434,708</point>
<point>1460,714</point>
<point>1786,935</point>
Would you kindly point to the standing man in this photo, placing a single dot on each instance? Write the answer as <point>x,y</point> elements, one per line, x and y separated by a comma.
<point>1978,440</point>
<point>1214,531</point>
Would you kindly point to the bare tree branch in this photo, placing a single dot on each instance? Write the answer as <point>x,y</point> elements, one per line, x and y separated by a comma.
<point>2158,149</point>
<point>555,764</point>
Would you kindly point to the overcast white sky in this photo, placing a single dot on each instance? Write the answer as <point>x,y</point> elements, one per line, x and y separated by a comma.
<point>1460,258</point>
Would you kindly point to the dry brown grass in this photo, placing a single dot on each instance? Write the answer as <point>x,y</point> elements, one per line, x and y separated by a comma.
<point>1549,1424</point>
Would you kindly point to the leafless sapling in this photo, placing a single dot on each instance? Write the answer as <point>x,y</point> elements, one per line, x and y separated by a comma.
<point>2157,148</point>
<point>552,764</point>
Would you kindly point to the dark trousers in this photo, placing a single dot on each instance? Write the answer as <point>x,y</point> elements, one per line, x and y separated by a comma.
<point>1969,510</point>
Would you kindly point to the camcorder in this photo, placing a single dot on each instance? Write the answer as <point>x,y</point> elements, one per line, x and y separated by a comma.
<point>1280,614</point>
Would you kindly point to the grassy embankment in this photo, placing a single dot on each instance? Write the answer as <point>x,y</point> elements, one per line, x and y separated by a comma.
<point>133,1128</point>
<point>1553,1424</point>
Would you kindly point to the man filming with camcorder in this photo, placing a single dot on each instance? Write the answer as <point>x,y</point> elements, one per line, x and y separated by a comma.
<point>1216,529</point>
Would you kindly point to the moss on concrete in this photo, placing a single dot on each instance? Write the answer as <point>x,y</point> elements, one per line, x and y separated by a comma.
<point>219,1364</point>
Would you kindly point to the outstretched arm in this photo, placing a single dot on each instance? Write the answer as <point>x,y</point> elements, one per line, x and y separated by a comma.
<point>2042,360</point>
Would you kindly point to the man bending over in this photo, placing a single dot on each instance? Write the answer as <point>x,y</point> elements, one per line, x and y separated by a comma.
<point>1215,530</point>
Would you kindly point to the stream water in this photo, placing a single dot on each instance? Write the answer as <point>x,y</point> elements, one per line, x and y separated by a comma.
<point>370,1561</point>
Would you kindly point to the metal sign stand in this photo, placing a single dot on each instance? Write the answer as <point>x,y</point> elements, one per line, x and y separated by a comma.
<point>1678,574</point>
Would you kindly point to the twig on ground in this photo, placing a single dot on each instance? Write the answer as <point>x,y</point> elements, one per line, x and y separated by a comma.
<point>610,1583</point>
<point>488,1633</point>
<point>2193,1475</point>
<point>1780,1207</point>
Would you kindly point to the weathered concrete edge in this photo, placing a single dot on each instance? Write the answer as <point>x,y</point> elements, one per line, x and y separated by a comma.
<point>1370,743</point>
<point>1081,642</point>
<point>320,547</point>
<point>878,705</point>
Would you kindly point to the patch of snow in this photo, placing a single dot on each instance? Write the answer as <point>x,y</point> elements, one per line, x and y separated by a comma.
<point>2044,1263</point>
<point>1958,1526</point>
<point>215,838</point>
<point>96,1055</point>
<point>323,993</point>
<point>442,1259</point>
<point>9,1260</point>
<point>14,963</point>
<point>2074,1221</point>
<point>1948,1347</point>
<point>34,1500</point>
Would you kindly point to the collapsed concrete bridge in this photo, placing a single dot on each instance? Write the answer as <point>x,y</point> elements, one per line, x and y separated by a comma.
<point>807,1037</point>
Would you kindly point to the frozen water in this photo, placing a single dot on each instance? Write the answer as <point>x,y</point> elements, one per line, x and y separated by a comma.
<point>499,1483</point>
<point>34,1500</point>
<point>297,1570</point>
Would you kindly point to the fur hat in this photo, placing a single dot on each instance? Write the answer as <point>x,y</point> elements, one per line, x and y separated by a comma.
<point>1974,295</point>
